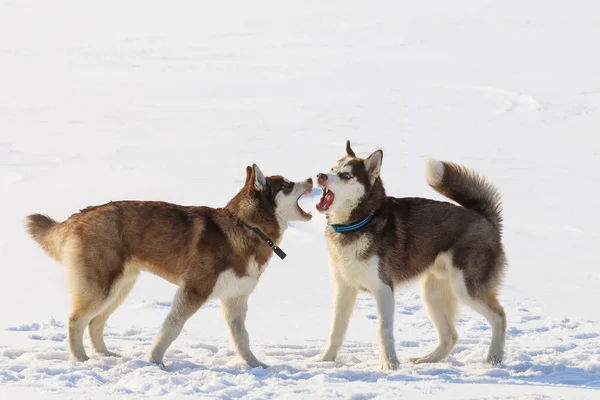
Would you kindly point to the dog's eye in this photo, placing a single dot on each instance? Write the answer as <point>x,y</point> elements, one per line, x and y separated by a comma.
<point>345,176</point>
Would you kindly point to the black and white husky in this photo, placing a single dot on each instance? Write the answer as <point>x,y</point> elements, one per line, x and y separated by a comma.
<point>376,242</point>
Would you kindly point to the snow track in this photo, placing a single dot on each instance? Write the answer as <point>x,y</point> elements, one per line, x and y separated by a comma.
<point>540,351</point>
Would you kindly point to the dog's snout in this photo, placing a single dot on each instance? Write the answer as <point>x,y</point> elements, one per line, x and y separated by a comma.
<point>309,180</point>
<point>321,177</point>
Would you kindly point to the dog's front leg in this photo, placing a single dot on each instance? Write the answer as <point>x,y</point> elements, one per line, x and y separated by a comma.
<point>345,297</point>
<point>384,296</point>
<point>186,303</point>
<point>234,311</point>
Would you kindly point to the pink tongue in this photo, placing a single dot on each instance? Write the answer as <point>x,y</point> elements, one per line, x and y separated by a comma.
<point>323,202</point>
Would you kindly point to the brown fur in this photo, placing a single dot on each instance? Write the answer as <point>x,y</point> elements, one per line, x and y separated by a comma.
<point>104,248</point>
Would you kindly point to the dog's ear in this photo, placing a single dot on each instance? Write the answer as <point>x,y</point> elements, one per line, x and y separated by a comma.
<point>248,176</point>
<point>349,150</point>
<point>257,179</point>
<point>373,165</point>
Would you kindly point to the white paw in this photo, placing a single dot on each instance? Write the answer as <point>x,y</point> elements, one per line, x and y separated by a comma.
<point>429,358</point>
<point>160,363</point>
<point>325,357</point>
<point>256,364</point>
<point>495,359</point>
<point>81,358</point>
<point>390,365</point>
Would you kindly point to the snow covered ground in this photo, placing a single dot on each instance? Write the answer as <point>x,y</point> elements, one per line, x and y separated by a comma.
<point>170,101</point>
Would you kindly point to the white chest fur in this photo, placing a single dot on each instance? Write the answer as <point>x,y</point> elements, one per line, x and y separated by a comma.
<point>230,285</point>
<point>348,265</point>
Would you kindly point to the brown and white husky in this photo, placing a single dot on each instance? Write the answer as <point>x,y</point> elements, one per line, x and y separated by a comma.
<point>376,242</point>
<point>210,253</point>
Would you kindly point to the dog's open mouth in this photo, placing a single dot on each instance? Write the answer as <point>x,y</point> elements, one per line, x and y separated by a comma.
<point>305,215</point>
<point>326,200</point>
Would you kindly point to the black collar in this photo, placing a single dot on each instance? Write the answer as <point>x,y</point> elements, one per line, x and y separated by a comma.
<point>280,253</point>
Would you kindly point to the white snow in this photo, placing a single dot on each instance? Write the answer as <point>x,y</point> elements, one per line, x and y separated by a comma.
<point>170,101</point>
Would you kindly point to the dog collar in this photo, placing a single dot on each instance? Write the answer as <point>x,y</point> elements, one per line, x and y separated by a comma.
<point>280,253</point>
<point>352,227</point>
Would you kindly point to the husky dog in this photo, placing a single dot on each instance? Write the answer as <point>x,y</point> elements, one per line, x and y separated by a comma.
<point>210,253</point>
<point>376,242</point>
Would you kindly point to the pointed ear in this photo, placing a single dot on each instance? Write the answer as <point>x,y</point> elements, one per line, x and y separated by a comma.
<point>248,176</point>
<point>349,150</point>
<point>373,165</point>
<point>258,179</point>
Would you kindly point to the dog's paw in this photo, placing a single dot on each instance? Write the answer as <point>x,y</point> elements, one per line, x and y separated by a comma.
<point>389,365</point>
<point>81,358</point>
<point>429,358</point>
<point>110,354</point>
<point>495,359</point>
<point>417,360</point>
<point>159,363</point>
<point>325,357</point>
<point>256,364</point>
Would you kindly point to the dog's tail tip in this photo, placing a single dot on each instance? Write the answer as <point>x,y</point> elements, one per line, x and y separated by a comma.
<point>434,171</point>
<point>39,227</point>
<point>466,187</point>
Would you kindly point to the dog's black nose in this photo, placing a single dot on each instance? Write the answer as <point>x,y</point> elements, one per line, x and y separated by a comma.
<point>321,177</point>
<point>309,180</point>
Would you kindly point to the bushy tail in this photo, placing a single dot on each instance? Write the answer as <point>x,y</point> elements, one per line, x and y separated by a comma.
<point>40,228</point>
<point>467,188</point>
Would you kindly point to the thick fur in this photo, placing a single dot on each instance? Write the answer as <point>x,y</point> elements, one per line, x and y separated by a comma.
<point>455,251</point>
<point>39,227</point>
<point>467,188</point>
<point>207,252</point>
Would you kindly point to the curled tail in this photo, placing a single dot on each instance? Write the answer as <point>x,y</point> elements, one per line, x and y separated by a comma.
<point>467,188</point>
<point>40,228</point>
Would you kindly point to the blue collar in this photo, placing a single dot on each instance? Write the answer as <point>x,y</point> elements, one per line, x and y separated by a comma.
<point>352,227</point>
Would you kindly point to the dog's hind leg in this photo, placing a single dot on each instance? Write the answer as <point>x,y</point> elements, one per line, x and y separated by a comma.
<point>486,303</point>
<point>185,304</point>
<point>440,304</point>
<point>234,311</point>
<point>117,294</point>
<point>85,305</point>
<point>490,308</point>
